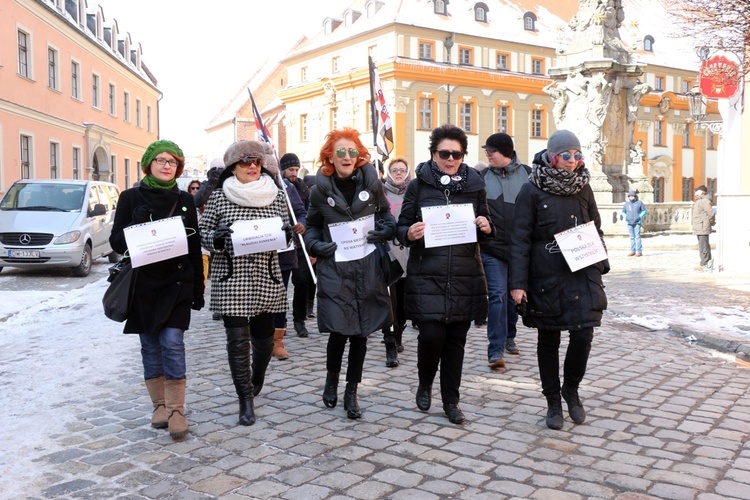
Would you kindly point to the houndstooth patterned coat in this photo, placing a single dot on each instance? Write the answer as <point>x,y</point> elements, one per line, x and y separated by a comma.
<point>254,285</point>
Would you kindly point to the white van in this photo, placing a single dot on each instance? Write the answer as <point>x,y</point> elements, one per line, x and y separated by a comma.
<point>57,223</point>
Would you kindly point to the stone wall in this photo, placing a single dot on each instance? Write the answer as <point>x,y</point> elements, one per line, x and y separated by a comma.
<point>673,217</point>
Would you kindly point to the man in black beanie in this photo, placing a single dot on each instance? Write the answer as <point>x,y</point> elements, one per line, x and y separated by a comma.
<point>301,277</point>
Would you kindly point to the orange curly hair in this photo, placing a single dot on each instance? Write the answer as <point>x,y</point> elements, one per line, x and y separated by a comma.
<point>327,150</point>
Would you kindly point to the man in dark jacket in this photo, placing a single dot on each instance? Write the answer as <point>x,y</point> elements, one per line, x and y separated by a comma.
<point>503,178</point>
<point>634,210</point>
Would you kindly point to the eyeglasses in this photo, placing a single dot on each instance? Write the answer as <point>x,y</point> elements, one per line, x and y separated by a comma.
<point>444,154</point>
<point>194,188</point>
<point>567,156</point>
<point>353,152</point>
<point>249,160</point>
<point>164,161</point>
<point>489,151</point>
<point>398,170</point>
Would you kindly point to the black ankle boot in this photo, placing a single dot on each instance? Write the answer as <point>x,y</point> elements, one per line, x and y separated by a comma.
<point>350,401</point>
<point>554,412</point>
<point>454,413</point>
<point>247,412</point>
<point>424,397</point>
<point>330,390</point>
<point>391,355</point>
<point>262,351</point>
<point>575,406</point>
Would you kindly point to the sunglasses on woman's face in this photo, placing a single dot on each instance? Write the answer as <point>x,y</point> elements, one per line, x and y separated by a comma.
<point>194,188</point>
<point>249,160</point>
<point>353,152</point>
<point>567,156</point>
<point>444,154</point>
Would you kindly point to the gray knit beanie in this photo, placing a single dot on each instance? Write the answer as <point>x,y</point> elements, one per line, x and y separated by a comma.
<point>562,140</point>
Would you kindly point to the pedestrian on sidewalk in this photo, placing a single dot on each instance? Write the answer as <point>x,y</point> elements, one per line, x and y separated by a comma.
<point>396,180</point>
<point>167,290</point>
<point>503,180</point>
<point>558,197</point>
<point>634,210</point>
<point>353,297</point>
<point>247,290</point>
<point>445,284</point>
<point>703,220</point>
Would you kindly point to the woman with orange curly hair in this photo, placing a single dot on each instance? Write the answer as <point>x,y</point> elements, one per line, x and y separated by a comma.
<point>353,299</point>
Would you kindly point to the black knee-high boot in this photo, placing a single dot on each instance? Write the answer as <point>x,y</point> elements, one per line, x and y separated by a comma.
<point>238,351</point>
<point>262,351</point>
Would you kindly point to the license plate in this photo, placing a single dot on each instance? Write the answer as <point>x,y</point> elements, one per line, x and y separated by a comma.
<point>23,254</point>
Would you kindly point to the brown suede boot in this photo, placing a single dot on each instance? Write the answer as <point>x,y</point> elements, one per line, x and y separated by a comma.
<point>174,397</point>
<point>160,416</point>
<point>278,344</point>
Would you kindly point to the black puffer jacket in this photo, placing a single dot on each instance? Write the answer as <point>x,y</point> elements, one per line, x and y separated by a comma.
<point>164,291</point>
<point>352,296</point>
<point>558,299</point>
<point>443,283</point>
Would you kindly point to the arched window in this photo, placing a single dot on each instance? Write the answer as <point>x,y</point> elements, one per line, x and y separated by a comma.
<point>529,21</point>
<point>441,7</point>
<point>648,43</point>
<point>480,12</point>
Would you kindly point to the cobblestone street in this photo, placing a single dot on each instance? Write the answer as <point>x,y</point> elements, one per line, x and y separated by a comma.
<point>666,419</point>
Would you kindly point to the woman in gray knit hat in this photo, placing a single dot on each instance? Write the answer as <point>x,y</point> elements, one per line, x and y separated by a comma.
<point>551,297</point>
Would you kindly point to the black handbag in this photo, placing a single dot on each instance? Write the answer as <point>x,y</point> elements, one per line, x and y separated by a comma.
<point>118,298</point>
<point>389,264</point>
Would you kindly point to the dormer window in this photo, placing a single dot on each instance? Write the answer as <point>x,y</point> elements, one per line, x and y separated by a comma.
<point>372,7</point>
<point>529,21</point>
<point>330,24</point>
<point>480,12</point>
<point>441,7</point>
<point>648,43</point>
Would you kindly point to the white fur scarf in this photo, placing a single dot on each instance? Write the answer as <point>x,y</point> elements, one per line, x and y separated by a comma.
<point>260,193</point>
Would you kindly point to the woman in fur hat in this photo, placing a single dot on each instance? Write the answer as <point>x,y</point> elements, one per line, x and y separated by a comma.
<point>353,297</point>
<point>247,290</point>
<point>165,291</point>
<point>557,197</point>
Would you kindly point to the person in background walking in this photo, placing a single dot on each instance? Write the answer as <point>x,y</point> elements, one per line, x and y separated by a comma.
<point>201,197</point>
<point>503,180</point>
<point>557,197</point>
<point>703,220</point>
<point>353,298</point>
<point>445,287</point>
<point>167,290</point>
<point>247,290</point>
<point>396,180</point>
<point>301,276</point>
<point>634,210</point>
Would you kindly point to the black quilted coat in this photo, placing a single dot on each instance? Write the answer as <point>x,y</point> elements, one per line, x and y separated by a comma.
<point>352,296</point>
<point>164,291</point>
<point>558,299</point>
<point>445,283</point>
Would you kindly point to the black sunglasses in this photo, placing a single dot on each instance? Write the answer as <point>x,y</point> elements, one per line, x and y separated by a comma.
<point>445,154</point>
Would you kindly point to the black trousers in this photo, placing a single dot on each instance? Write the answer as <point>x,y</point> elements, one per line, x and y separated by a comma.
<point>390,333</point>
<point>357,352</point>
<point>303,282</point>
<point>576,358</point>
<point>704,248</point>
<point>442,344</point>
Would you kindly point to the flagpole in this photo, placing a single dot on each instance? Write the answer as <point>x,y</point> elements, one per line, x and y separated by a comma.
<point>267,138</point>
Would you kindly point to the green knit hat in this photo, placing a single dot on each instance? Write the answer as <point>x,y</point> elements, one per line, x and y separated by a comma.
<point>162,146</point>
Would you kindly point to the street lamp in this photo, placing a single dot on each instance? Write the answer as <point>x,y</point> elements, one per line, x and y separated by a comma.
<point>448,44</point>
<point>697,104</point>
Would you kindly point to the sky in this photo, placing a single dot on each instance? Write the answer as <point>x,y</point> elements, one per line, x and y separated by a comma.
<point>202,53</point>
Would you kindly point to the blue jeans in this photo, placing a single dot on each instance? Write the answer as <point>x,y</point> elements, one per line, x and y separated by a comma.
<point>164,354</point>
<point>501,318</point>
<point>634,230</point>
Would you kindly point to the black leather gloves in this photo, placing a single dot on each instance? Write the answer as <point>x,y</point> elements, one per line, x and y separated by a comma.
<point>221,233</point>
<point>324,249</point>
<point>381,232</point>
<point>198,303</point>
<point>141,214</point>
<point>213,175</point>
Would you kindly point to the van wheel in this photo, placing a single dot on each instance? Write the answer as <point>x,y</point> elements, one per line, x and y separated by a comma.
<point>84,268</point>
<point>114,257</point>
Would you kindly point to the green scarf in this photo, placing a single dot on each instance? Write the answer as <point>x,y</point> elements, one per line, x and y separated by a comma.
<point>155,183</point>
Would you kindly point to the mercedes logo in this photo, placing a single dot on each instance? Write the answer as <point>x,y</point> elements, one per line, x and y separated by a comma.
<point>25,239</point>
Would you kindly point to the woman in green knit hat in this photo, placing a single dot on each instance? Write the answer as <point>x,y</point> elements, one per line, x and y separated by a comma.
<point>167,290</point>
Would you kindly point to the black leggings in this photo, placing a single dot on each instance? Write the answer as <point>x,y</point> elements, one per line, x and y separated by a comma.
<point>357,352</point>
<point>261,326</point>
<point>576,358</point>
<point>442,344</point>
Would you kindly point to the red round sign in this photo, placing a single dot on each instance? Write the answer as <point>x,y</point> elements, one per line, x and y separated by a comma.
<point>719,77</point>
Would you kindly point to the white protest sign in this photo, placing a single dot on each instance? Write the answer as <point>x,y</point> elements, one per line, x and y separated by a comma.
<point>449,225</point>
<point>259,235</point>
<point>156,241</point>
<point>351,238</point>
<point>581,246</point>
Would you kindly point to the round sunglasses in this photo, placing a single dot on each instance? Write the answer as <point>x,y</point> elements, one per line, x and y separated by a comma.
<point>567,156</point>
<point>353,152</point>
